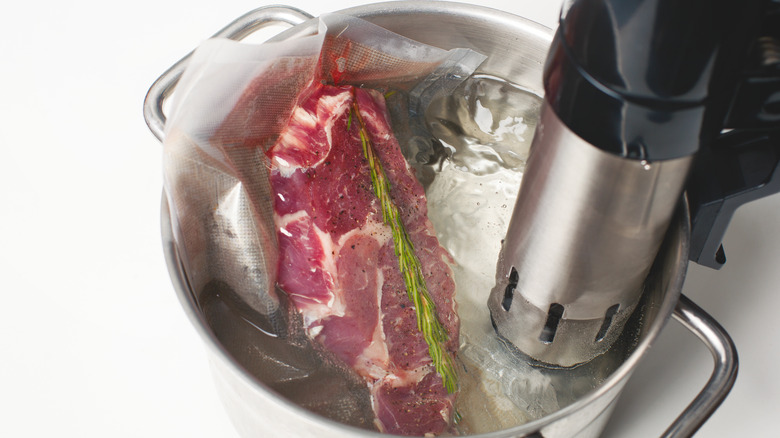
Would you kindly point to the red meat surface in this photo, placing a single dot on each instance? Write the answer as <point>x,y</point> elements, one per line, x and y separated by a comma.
<point>337,262</point>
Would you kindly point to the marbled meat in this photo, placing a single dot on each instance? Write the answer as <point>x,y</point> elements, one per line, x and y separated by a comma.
<point>337,262</point>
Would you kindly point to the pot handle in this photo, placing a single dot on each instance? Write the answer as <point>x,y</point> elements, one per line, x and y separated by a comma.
<point>239,29</point>
<point>724,354</point>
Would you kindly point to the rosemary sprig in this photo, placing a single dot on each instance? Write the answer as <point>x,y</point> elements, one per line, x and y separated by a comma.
<point>427,321</point>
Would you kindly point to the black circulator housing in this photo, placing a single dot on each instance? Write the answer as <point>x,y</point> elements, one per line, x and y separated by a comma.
<point>649,79</point>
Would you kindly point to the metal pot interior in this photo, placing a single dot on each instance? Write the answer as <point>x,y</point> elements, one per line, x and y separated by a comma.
<point>516,49</point>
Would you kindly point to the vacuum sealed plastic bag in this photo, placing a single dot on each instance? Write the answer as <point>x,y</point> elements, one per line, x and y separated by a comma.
<point>234,103</point>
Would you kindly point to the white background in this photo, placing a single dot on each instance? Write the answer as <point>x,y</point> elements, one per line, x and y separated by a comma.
<point>93,342</point>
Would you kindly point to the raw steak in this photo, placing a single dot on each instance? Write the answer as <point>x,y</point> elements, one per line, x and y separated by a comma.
<point>337,262</point>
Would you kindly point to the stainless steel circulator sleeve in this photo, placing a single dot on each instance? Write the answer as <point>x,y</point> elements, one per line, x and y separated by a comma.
<point>585,230</point>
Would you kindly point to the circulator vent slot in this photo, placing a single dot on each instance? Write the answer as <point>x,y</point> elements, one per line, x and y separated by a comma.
<point>607,322</point>
<point>509,292</point>
<point>554,316</point>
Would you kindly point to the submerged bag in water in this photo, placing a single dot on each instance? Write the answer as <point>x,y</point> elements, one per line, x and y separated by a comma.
<point>233,103</point>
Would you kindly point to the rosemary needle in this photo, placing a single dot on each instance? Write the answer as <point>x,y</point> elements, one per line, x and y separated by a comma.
<point>411,270</point>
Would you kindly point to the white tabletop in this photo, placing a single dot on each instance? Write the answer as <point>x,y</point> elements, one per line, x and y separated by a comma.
<point>93,341</point>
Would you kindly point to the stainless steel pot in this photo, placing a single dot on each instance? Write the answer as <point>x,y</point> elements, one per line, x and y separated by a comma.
<point>516,49</point>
